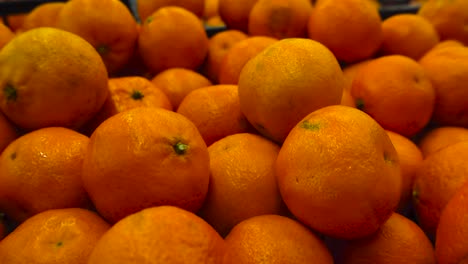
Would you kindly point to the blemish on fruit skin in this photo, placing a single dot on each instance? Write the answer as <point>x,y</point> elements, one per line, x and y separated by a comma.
<point>59,244</point>
<point>13,156</point>
<point>10,92</point>
<point>309,126</point>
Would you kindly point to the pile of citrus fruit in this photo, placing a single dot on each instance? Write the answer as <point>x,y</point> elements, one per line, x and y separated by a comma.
<point>305,132</point>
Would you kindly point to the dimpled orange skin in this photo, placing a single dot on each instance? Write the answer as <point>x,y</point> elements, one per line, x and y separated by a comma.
<point>215,110</point>
<point>452,231</point>
<point>53,237</point>
<point>339,173</point>
<point>147,7</point>
<point>351,29</point>
<point>242,181</point>
<point>447,68</point>
<point>286,81</point>
<point>399,240</point>
<point>409,35</point>
<point>41,170</point>
<point>114,35</point>
<point>43,15</point>
<point>163,234</point>
<point>441,137</point>
<point>439,176</point>
<point>126,93</point>
<point>172,37</point>
<point>239,54</point>
<point>274,239</point>
<point>397,92</point>
<point>145,157</point>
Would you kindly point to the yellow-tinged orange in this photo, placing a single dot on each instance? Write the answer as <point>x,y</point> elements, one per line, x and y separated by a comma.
<point>285,82</point>
<point>59,81</point>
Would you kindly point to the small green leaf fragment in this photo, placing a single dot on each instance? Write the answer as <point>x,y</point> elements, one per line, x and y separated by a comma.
<point>309,126</point>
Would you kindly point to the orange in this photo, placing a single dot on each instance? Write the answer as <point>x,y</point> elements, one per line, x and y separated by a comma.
<point>279,18</point>
<point>215,111</point>
<point>215,21</point>
<point>437,179</point>
<point>447,43</point>
<point>441,137</point>
<point>148,7</point>
<point>8,132</point>
<point>410,35</point>
<point>339,173</point>
<point>211,9</point>
<point>452,231</point>
<point>350,71</point>
<point>287,81</point>
<point>239,54</point>
<point>176,83</point>
<point>54,236</point>
<point>134,67</point>
<point>218,46</point>
<point>396,91</point>
<point>242,181</point>
<point>274,239</point>
<point>41,170</point>
<point>15,21</point>
<point>43,15</point>
<point>145,157</point>
<point>113,35</point>
<point>351,29</point>
<point>411,159</point>
<point>347,99</point>
<point>448,17</point>
<point>172,37</point>
<point>5,35</point>
<point>163,234</point>
<point>59,81</point>
<point>447,68</point>
<point>128,93</point>
<point>399,240</point>
<point>235,13</point>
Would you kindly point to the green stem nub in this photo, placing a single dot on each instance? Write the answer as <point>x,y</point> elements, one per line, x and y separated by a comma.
<point>102,49</point>
<point>360,104</point>
<point>137,95</point>
<point>180,148</point>
<point>10,92</point>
